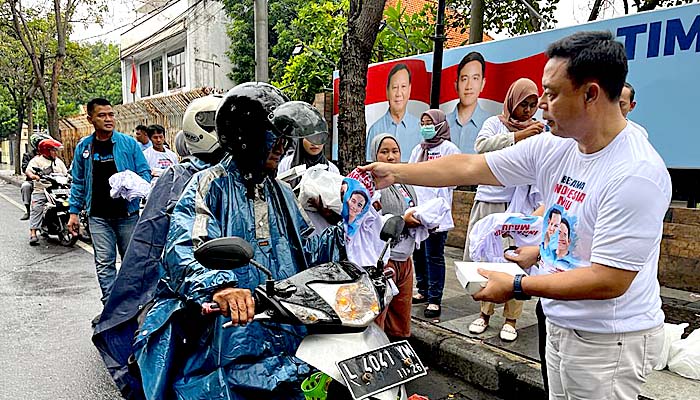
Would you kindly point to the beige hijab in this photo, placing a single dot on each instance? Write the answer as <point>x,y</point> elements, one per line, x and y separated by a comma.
<point>517,92</point>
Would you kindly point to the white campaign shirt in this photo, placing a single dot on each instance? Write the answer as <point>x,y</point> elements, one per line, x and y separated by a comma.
<point>425,194</point>
<point>493,194</point>
<point>159,160</point>
<point>486,237</point>
<point>612,204</point>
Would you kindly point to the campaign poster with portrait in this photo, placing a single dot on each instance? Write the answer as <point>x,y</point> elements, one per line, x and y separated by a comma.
<point>663,49</point>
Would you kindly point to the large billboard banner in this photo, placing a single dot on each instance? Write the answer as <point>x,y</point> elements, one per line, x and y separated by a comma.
<point>663,48</point>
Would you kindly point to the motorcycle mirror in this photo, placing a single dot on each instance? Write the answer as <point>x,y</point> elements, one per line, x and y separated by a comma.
<point>224,253</point>
<point>392,229</point>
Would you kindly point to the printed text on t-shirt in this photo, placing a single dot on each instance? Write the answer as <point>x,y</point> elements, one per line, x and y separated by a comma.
<point>569,190</point>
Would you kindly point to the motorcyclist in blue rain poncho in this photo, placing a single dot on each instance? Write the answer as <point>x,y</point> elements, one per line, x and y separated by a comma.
<point>134,288</point>
<point>184,355</point>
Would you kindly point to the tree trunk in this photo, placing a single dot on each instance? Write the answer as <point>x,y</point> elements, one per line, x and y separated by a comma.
<point>476,22</point>
<point>18,140</point>
<point>355,54</point>
<point>30,116</point>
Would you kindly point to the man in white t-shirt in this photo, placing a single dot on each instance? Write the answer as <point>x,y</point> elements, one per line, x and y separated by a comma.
<point>158,156</point>
<point>598,283</point>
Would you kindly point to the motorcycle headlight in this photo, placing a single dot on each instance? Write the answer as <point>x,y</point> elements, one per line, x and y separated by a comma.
<point>305,314</point>
<point>65,204</point>
<point>355,303</point>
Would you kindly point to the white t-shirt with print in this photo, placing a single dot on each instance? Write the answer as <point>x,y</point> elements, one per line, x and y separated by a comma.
<point>611,205</point>
<point>426,194</point>
<point>493,194</point>
<point>160,160</point>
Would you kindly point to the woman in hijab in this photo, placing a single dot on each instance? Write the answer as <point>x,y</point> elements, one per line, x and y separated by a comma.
<point>514,124</point>
<point>306,153</point>
<point>429,260</point>
<point>396,200</point>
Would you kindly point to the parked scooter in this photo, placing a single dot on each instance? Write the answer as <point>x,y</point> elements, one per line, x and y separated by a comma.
<point>337,302</point>
<point>56,212</point>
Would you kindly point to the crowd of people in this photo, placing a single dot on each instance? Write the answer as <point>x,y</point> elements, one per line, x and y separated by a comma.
<point>581,168</point>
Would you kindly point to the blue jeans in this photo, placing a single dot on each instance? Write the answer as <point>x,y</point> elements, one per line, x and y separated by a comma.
<point>108,235</point>
<point>429,264</point>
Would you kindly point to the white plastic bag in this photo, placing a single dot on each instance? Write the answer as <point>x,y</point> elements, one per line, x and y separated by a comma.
<point>684,358</point>
<point>317,181</point>
<point>672,334</point>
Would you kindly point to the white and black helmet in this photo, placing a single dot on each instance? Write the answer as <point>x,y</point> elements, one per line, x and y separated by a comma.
<point>199,125</point>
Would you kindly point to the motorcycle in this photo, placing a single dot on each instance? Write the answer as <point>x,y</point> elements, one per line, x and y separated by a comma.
<point>56,212</point>
<point>337,302</point>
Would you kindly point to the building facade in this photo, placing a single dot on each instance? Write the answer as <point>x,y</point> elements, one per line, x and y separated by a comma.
<point>177,46</point>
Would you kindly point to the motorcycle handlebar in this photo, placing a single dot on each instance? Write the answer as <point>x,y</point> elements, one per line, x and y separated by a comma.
<point>213,308</point>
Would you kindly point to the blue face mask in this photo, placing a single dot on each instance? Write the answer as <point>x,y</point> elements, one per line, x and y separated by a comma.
<point>428,131</point>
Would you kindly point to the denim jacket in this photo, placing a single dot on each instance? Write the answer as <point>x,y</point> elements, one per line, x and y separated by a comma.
<point>127,156</point>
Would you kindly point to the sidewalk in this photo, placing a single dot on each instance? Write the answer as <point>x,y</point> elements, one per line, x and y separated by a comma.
<point>512,370</point>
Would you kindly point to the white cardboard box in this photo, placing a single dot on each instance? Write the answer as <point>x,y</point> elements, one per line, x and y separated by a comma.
<point>472,281</point>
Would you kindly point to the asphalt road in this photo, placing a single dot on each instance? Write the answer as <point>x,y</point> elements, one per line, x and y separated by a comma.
<point>48,297</point>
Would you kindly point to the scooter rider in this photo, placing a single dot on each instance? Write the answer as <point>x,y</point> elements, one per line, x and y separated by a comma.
<point>134,288</point>
<point>184,355</point>
<point>28,185</point>
<point>48,162</point>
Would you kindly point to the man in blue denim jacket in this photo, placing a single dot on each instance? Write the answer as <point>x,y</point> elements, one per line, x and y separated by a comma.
<point>96,158</point>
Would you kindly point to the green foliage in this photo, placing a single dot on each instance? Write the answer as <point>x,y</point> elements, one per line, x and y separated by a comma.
<point>319,27</point>
<point>405,34</point>
<point>510,16</point>
<point>8,117</point>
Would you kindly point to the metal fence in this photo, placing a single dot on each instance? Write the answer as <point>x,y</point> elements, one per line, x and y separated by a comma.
<point>166,110</point>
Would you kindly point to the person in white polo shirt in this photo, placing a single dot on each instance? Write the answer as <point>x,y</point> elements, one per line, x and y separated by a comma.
<point>598,285</point>
<point>158,156</point>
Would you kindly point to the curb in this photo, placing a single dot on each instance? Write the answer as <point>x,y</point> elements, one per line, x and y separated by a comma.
<point>504,374</point>
<point>10,179</point>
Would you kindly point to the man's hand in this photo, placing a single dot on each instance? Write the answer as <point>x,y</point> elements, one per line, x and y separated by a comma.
<point>499,288</point>
<point>74,224</point>
<point>526,256</point>
<point>383,174</point>
<point>238,303</point>
<point>410,220</point>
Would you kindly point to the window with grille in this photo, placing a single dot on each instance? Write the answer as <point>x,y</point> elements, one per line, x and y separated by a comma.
<point>145,79</point>
<point>176,69</point>
<point>157,68</point>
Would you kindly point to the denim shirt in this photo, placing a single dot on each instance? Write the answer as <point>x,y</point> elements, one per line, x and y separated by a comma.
<point>464,136</point>
<point>127,156</point>
<point>406,132</point>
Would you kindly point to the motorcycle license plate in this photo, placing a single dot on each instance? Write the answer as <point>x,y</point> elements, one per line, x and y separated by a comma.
<point>381,369</point>
<point>60,191</point>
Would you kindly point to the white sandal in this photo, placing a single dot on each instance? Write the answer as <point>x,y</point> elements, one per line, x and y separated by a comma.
<point>478,326</point>
<point>508,333</point>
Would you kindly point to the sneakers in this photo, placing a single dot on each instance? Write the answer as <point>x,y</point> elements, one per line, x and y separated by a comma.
<point>508,333</point>
<point>33,241</point>
<point>432,311</point>
<point>478,326</point>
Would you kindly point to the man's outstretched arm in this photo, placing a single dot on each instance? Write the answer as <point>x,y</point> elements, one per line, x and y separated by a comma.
<point>454,170</point>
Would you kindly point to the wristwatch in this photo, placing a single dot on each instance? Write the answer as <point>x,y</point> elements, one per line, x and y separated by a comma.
<point>518,293</point>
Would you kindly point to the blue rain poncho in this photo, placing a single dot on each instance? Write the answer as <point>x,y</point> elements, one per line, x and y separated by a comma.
<point>138,276</point>
<point>182,354</point>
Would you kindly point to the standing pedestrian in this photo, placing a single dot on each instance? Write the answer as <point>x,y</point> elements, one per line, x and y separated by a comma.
<point>429,260</point>
<point>159,158</point>
<point>141,133</point>
<point>600,294</point>
<point>96,158</point>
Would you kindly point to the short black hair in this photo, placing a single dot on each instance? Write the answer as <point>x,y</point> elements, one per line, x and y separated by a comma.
<point>97,101</point>
<point>593,56</point>
<point>552,212</point>
<point>153,129</point>
<point>398,67</point>
<point>631,88</point>
<point>141,128</point>
<point>564,221</point>
<point>473,56</point>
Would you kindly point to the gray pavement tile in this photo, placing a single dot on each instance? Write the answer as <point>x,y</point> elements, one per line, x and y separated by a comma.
<point>679,294</point>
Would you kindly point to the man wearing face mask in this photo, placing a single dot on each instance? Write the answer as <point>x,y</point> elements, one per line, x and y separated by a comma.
<point>184,355</point>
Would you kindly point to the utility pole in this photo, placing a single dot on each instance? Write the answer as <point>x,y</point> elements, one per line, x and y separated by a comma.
<point>439,40</point>
<point>260,16</point>
<point>476,22</point>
